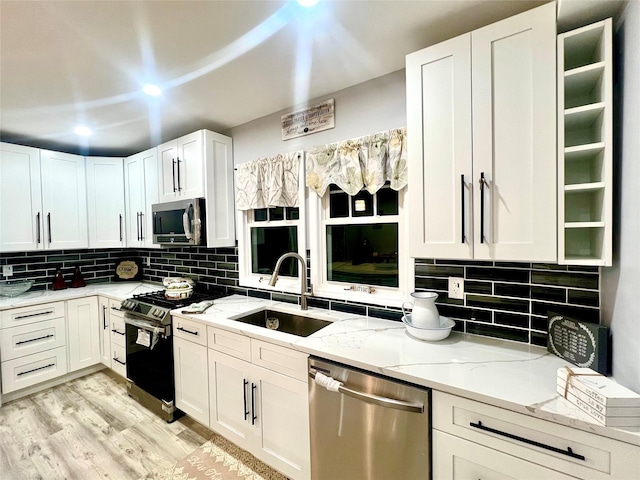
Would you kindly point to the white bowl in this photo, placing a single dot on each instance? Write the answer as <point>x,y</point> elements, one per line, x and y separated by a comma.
<point>429,334</point>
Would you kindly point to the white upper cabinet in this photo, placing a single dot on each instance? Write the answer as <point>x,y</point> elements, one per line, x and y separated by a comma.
<point>105,202</point>
<point>20,199</point>
<point>201,165</point>
<point>64,199</point>
<point>141,191</point>
<point>182,168</point>
<point>481,132</point>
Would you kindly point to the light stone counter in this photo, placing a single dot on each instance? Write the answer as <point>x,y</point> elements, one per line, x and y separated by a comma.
<point>117,291</point>
<point>517,377</point>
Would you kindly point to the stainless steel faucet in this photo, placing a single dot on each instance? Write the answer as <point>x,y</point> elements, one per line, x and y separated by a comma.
<point>303,278</point>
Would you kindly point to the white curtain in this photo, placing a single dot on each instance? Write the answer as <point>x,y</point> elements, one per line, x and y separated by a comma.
<point>362,162</point>
<point>268,182</point>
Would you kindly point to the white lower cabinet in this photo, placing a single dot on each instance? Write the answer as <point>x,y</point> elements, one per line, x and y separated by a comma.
<point>476,440</point>
<point>33,345</point>
<point>261,411</point>
<point>118,339</point>
<point>192,383</point>
<point>83,333</point>
<point>252,392</point>
<point>458,459</point>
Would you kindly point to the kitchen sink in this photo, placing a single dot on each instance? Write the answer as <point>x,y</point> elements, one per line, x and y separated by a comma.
<point>284,322</point>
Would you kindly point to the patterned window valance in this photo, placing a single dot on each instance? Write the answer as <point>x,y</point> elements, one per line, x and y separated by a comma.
<point>268,182</point>
<point>362,162</point>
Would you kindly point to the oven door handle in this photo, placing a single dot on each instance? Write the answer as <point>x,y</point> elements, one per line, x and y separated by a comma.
<point>147,325</point>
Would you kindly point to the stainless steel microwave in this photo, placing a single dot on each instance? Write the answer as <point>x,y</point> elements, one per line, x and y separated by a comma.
<point>179,223</point>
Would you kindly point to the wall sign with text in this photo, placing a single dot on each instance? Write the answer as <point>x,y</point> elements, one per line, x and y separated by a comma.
<point>308,120</point>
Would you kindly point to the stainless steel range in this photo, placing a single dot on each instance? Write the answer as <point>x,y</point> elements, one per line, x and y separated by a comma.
<point>150,375</point>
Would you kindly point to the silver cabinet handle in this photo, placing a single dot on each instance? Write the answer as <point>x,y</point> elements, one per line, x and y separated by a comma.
<point>187,331</point>
<point>141,226</point>
<point>378,400</point>
<point>253,405</point>
<point>116,359</point>
<point>49,225</point>
<point>36,369</point>
<point>118,331</point>
<point>104,317</point>
<point>138,225</point>
<point>120,222</point>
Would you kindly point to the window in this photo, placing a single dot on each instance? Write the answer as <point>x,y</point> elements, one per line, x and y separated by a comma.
<point>359,242</point>
<point>264,235</point>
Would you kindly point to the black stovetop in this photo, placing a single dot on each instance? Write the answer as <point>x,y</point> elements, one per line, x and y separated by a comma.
<point>158,299</point>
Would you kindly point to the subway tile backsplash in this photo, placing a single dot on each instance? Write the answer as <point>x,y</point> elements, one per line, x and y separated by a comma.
<point>502,299</point>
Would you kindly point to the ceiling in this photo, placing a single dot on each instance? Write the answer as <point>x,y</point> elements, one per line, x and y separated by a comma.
<point>220,63</point>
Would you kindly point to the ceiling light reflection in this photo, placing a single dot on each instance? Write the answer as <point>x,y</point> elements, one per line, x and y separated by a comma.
<point>307,3</point>
<point>82,131</point>
<point>152,90</point>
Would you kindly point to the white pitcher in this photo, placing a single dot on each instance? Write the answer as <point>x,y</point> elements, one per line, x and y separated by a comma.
<point>425,313</point>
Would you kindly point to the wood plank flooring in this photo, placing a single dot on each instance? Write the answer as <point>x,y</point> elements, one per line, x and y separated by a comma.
<point>88,429</point>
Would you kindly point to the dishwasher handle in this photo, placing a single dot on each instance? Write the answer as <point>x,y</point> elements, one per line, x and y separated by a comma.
<point>377,399</point>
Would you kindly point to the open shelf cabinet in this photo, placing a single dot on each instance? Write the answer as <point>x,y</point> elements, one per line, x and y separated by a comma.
<point>585,164</point>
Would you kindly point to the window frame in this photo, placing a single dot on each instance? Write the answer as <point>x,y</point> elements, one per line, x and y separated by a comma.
<point>387,296</point>
<point>245,221</point>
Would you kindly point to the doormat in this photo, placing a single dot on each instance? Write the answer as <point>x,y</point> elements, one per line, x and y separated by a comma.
<point>220,459</point>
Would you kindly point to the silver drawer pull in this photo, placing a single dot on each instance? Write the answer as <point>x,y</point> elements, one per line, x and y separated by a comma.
<point>33,315</point>
<point>34,339</point>
<point>115,359</point>
<point>568,452</point>
<point>36,369</point>
<point>118,331</point>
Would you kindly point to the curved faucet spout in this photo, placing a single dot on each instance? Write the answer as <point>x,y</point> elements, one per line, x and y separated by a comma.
<point>303,277</point>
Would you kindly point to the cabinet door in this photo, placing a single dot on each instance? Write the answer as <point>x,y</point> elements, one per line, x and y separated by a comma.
<point>192,388</point>
<point>83,333</point>
<point>230,396</point>
<point>440,148</point>
<point>150,170</point>
<point>105,333</point>
<point>282,436</point>
<point>190,166</point>
<point>514,137</point>
<point>105,202</point>
<point>141,191</point>
<point>20,199</point>
<point>455,458</point>
<point>64,199</point>
<point>167,176</point>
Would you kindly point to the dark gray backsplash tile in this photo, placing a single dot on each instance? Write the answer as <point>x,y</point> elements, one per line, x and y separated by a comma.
<point>507,300</point>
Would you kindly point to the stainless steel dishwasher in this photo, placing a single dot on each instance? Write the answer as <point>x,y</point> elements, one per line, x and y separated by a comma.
<point>371,428</point>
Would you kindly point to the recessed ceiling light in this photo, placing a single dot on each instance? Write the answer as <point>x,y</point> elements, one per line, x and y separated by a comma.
<point>152,90</point>
<point>82,131</point>
<point>307,3</point>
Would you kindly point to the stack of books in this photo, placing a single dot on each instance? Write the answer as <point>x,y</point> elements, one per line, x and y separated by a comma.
<point>604,400</point>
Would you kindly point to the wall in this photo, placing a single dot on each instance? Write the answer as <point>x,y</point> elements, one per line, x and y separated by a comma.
<point>621,283</point>
<point>371,107</point>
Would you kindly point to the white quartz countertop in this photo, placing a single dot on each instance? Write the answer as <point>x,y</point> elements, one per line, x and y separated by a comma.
<point>509,375</point>
<point>118,291</point>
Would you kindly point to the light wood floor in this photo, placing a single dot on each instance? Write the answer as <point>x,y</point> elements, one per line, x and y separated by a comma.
<point>87,429</point>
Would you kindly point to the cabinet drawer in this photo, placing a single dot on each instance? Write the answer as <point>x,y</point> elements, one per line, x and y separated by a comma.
<point>119,359</point>
<point>118,331</point>
<point>32,314</point>
<point>189,330</point>
<point>230,343</point>
<point>455,458</point>
<point>114,306</point>
<point>22,340</point>
<point>279,359</point>
<point>538,441</point>
<point>26,371</point>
